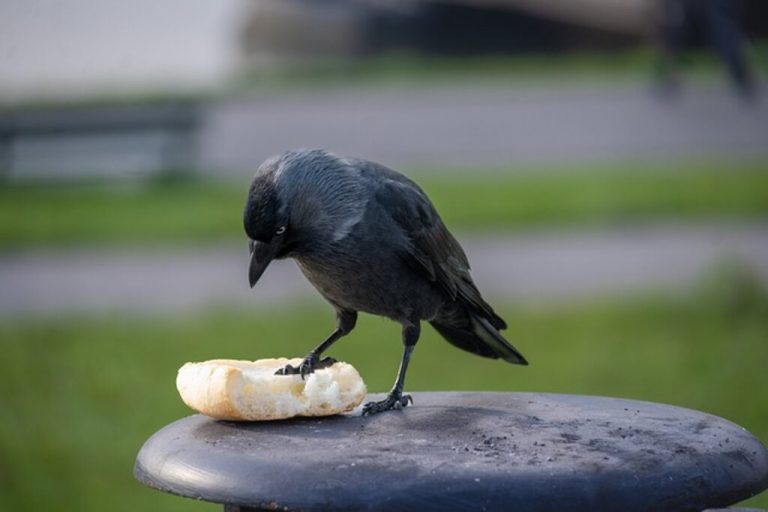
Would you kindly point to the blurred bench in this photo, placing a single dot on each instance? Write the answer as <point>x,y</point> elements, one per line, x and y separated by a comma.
<point>99,140</point>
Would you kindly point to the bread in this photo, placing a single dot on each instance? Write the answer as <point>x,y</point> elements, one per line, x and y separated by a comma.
<point>249,390</point>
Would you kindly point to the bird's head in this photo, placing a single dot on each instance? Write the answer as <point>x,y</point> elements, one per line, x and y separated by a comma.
<point>299,202</point>
<point>266,222</point>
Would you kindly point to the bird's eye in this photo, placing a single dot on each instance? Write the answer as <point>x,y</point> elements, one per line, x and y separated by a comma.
<point>280,230</point>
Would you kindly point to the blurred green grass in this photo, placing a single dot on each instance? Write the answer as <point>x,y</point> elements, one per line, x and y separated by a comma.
<point>81,394</point>
<point>197,210</point>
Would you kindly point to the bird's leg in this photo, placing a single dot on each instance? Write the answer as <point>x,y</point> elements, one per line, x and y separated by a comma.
<point>396,399</point>
<point>345,322</point>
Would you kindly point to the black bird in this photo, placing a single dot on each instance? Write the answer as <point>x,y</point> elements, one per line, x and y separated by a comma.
<point>369,240</point>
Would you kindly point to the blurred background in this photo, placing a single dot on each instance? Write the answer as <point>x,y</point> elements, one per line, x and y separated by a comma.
<point>604,163</point>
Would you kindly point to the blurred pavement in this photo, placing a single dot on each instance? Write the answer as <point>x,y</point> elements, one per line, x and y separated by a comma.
<point>466,124</point>
<point>535,266</point>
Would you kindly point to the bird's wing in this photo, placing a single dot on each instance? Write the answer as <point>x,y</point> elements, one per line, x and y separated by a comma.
<point>432,248</point>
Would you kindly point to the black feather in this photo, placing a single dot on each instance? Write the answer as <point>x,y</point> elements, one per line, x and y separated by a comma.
<point>260,217</point>
<point>432,247</point>
<point>475,334</point>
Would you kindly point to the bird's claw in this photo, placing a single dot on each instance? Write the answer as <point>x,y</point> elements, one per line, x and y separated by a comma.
<point>307,366</point>
<point>395,401</point>
<point>287,370</point>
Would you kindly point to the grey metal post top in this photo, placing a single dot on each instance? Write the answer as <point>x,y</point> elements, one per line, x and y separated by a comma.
<point>466,451</point>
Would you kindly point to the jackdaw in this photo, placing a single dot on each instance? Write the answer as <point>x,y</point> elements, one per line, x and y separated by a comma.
<point>369,240</point>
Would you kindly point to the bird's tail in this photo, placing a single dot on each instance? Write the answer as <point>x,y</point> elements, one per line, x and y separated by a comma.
<point>476,334</point>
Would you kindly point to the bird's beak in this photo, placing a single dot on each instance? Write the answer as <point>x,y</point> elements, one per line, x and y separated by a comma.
<point>261,254</point>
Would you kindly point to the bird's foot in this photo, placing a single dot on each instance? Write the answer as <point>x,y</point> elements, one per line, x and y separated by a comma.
<point>307,366</point>
<point>393,401</point>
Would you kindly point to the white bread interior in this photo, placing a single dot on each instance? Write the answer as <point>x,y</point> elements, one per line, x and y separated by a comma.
<point>229,389</point>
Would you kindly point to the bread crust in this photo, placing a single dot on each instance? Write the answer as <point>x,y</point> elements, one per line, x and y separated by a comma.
<point>230,389</point>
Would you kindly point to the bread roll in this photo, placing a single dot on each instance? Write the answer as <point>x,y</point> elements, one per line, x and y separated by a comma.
<point>249,390</point>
